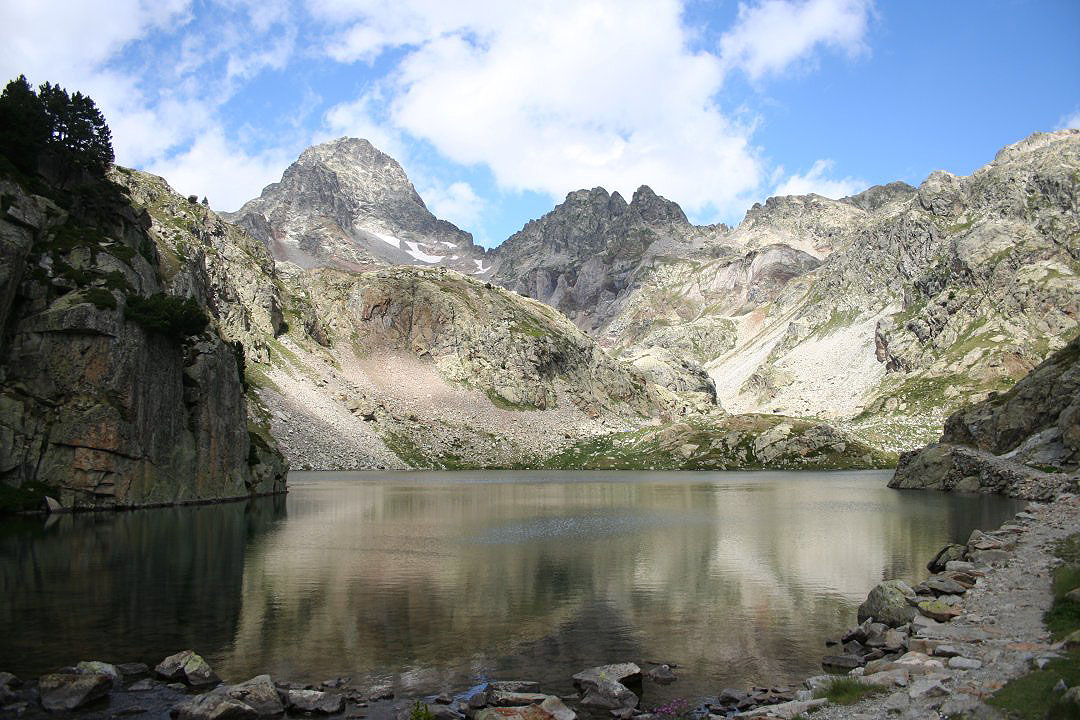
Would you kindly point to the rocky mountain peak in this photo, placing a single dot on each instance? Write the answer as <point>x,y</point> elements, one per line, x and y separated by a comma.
<point>654,209</point>
<point>345,203</point>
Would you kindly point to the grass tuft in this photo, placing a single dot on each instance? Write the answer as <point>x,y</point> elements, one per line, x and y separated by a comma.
<point>847,691</point>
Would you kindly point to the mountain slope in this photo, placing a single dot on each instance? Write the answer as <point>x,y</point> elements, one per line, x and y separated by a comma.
<point>906,303</point>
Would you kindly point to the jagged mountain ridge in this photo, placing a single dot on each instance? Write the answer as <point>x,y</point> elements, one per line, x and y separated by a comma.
<point>865,310</point>
<point>346,204</point>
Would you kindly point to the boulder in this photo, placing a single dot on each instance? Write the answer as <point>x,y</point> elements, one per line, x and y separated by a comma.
<point>557,709</point>
<point>213,706</point>
<point>942,585</point>
<point>939,610</point>
<point>94,667</point>
<point>888,603</point>
<point>70,691</point>
<point>259,693</point>
<point>604,686</point>
<point>503,698</point>
<point>315,701</point>
<point>187,667</point>
<point>950,553</point>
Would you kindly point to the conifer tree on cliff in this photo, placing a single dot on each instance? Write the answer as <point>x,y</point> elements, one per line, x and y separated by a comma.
<point>24,126</point>
<point>51,123</point>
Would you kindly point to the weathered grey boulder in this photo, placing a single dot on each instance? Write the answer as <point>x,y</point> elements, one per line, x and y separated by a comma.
<point>604,686</point>
<point>503,698</point>
<point>95,667</point>
<point>216,705</point>
<point>188,667</point>
<point>259,693</point>
<point>315,701</point>
<point>945,555</point>
<point>888,603</point>
<point>70,691</point>
<point>1066,707</point>
<point>557,708</point>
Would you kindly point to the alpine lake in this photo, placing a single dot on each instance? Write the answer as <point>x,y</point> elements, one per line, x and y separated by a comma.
<point>434,581</point>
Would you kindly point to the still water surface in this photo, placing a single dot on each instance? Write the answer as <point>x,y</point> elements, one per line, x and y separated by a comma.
<point>435,580</point>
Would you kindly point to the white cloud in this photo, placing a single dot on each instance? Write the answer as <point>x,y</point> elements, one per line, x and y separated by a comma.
<point>213,167</point>
<point>815,181</point>
<point>771,35</point>
<point>456,202</point>
<point>1069,122</point>
<point>561,96</point>
<point>565,94</point>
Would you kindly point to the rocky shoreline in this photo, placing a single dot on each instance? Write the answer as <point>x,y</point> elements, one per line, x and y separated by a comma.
<point>934,649</point>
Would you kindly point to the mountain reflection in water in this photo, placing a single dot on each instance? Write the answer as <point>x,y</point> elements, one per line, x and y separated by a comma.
<point>432,580</point>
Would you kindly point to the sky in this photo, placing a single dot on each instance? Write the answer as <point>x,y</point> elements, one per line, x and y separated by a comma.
<point>497,109</point>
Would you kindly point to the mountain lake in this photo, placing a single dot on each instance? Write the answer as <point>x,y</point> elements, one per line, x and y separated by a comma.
<point>437,581</point>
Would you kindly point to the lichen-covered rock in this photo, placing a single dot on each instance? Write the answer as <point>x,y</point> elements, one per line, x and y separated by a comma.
<point>888,603</point>
<point>188,667</point>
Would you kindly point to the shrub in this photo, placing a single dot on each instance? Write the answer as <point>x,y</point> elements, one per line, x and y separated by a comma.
<point>420,711</point>
<point>168,315</point>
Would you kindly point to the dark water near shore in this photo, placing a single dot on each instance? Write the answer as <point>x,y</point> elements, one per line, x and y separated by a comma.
<point>433,580</point>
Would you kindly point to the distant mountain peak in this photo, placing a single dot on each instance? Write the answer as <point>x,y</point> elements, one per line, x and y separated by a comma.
<point>344,203</point>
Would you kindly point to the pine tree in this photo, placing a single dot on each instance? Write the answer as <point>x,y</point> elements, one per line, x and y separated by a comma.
<point>68,128</point>
<point>24,125</point>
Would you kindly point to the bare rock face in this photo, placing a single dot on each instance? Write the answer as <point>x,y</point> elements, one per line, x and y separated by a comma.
<point>106,409</point>
<point>347,205</point>
<point>583,255</point>
<point>1006,444</point>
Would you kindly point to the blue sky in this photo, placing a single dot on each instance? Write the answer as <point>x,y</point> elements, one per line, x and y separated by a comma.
<point>497,110</point>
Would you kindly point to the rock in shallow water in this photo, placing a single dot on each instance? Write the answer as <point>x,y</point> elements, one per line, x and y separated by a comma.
<point>260,694</point>
<point>216,705</point>
<point>69,691</point>
<point>189,667</point>
<point>314,701</point>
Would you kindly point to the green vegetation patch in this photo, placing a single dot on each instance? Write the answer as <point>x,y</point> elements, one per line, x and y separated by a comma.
<point>1030,697</point>
<point>415,457</point>
<point>847,691</point>
<point>168,315</point>
<point>726,444</point>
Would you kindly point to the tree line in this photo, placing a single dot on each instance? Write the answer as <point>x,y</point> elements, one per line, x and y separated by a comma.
<point>51,126</point>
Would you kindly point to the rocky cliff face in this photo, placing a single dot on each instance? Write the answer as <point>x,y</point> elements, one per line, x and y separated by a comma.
<point>1024,442</point>
<point>582,256</point>
<point>345,204</point>
<point>102,404</point>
